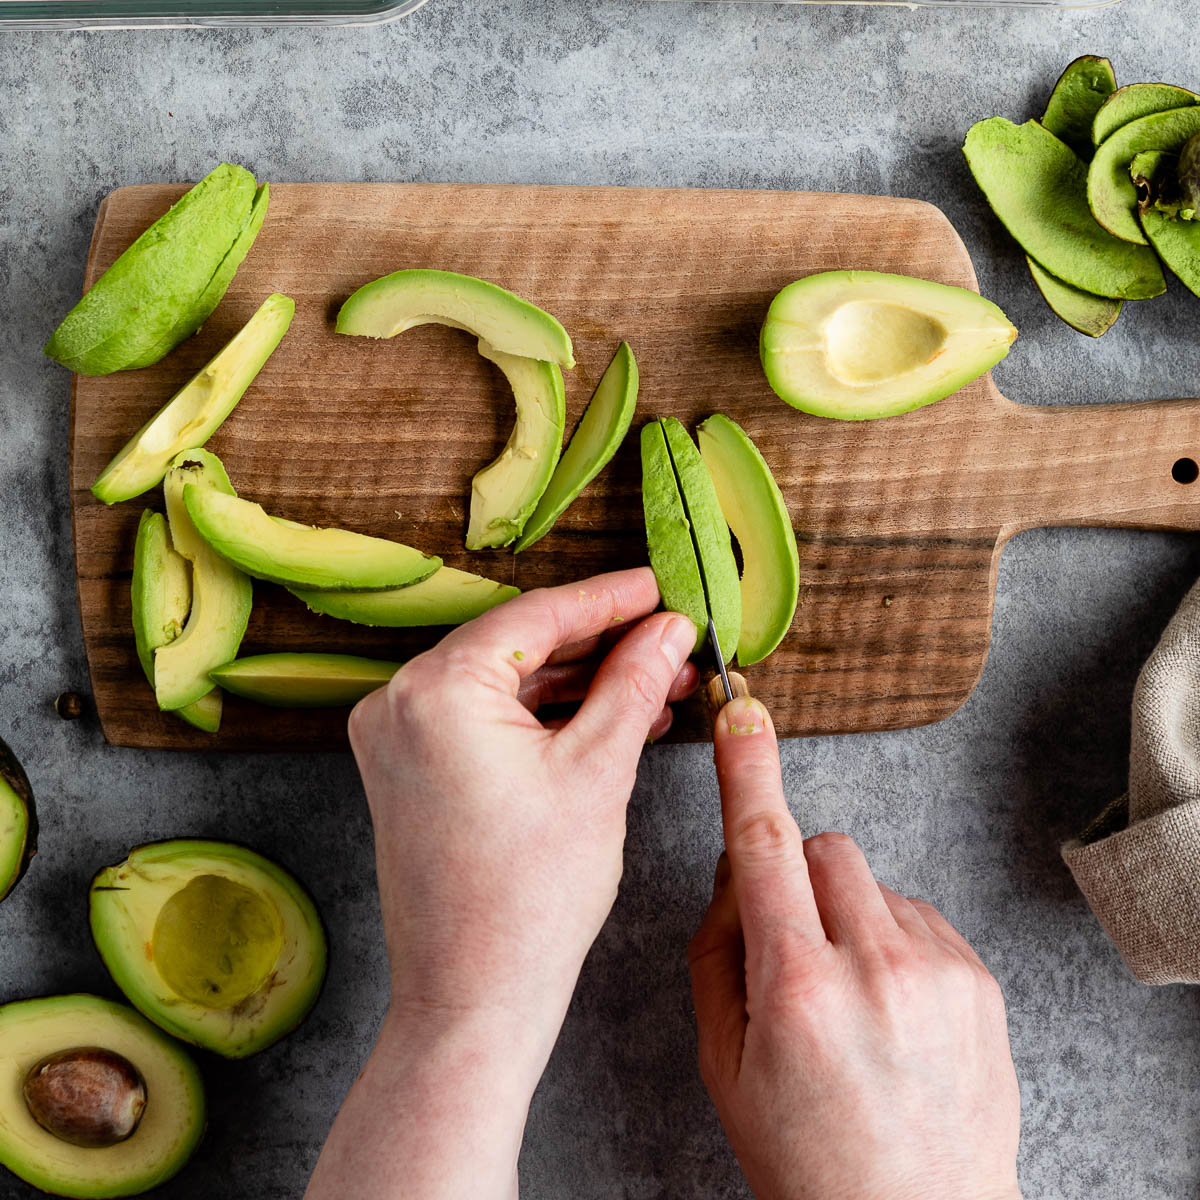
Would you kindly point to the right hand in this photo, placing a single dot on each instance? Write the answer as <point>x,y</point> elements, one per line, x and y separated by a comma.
<point>853,1043</point>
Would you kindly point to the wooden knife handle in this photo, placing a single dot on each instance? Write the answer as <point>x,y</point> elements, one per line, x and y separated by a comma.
<point>714,692</point>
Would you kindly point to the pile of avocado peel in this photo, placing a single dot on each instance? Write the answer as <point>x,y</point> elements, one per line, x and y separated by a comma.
<point>1101,193</point>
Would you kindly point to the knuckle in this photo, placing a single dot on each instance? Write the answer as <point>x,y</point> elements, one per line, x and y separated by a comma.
<point>766,837</point>
<point>832,846</point>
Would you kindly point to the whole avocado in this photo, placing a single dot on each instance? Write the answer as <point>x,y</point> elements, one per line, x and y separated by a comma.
<point>18,821</point>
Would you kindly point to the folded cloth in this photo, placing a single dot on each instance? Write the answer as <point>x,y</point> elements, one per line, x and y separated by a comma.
<point>1138,863</point>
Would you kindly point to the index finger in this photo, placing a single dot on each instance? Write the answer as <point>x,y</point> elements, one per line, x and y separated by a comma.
<point>514,639</point>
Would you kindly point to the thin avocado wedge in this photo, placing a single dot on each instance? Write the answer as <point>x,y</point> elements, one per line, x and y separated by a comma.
<point>860,345</point>
<point>1092,315</point>
<point>197,410</point>
<point>215,944</point>
<point>447,597</point>
<point>1079,94</point>
<point>1175,241</point>
<point>601,431</point>
<point>18,821</point>
<point>506,491</point>
<point>758,517</point>
<point>297,555</point>
<point>1037,186</point>
<point>307,680</point>
<point>1110,192</point>
<point>1134,101</point>
<point>161,597</point>
<point>48,1043</point>
<point>221,594</point>
<point>161,289</point>
<point>405,299</point>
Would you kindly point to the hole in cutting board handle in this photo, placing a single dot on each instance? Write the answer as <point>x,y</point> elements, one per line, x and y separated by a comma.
<point>1185,470</point>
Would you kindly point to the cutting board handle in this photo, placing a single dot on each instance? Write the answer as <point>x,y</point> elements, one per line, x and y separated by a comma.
<point>1133,466</point>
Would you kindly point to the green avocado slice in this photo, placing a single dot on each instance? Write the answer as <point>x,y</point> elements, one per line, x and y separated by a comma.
<point>171,1125</point>
<point>601,431</point>
<point>447,597</point>
<point>163,287</point>
<point>307,680</point>
<point>18,823</point>
<point>1093,315</point>
<point>1134,101</point>
<point>221,594</point>
<point>197,410</point>
<point>161,596</point>
<point>758,517</point>
<point>1110,191</point>
<point>212,942</point>
<point>506,491</point>
<point>297,555</point>
<point>1175,240</point>
<point>1079,94</point>
<point>405,299</point>
<point>1038,188</point>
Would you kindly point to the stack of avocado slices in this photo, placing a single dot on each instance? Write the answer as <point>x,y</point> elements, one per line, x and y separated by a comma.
<point>1100,192</point>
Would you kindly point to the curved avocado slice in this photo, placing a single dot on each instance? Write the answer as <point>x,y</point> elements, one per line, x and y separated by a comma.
<point>305,680</point>
<point>857,345</point>
<point>171,1124</point>
<point>601,431</point>
<point>405,299</point>
<point>197,410</point>
<point>506,491</point>
<point>1081,91</point>
<point>286,552</point>
<point>1134,101</point>
<point>758,516</point>
<point>447,597</point>
<point>161,596</point>
<point>1093,315</point>
<point>212,942</point>
<point>221,594</point>
<point>1110,192</point>
<point>1038,188</point>
<point>162,289</point>
<point>18,822</point>
<point>1175,240</point>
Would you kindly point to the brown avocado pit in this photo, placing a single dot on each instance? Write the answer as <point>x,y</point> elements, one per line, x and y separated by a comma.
<point>87,1096</point>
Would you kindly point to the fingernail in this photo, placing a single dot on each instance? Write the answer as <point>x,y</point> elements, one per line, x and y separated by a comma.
<point>744,716</point>
<point>678,639</point>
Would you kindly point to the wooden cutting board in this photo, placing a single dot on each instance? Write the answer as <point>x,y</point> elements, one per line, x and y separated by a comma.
<point>900,522</point>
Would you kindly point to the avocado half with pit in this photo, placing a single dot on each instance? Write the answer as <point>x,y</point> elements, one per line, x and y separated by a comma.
<point>95,1102</point>
<point>212,942</point>
<point>18,821</point>
<point>856,345</point>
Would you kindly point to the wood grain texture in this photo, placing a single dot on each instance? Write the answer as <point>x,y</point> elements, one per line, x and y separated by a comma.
<point>900,522</point>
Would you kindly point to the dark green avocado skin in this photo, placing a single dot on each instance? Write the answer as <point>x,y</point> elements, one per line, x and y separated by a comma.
<point>12,774</point>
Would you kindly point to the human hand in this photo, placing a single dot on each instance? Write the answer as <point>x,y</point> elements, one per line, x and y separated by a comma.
<point>853,1043</point>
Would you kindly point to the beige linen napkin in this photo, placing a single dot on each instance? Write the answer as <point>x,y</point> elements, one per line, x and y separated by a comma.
<point>1138,863</point>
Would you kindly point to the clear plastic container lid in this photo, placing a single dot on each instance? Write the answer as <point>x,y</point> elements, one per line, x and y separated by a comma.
<point>184,14</point>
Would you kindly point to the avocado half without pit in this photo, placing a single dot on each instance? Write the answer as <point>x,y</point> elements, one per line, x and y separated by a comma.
<point>210,941</point>
<point>95,1102</point>
<point>18,821</point>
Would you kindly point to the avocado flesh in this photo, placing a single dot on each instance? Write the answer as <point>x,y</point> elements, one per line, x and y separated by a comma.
<point>160,290</point>
<point>758,516</point>
<point>171,1125</point>
<point>858,345</point>
<point>1134,101</point>
<point>221,594</point>
<point>197,410</point>
<point>601,431</point>
<point>447,597</point>
<point>1110,192</point>
<point>161,597</point>
<point>305,680</point>
<point>18,821</point>
<point>1079,94</point>
<point>286,552</point>
<point>1093,315</point>
<point>204,979</point>
<point>1038,188</point>
<point>405,299</point>
<point>506,491</point>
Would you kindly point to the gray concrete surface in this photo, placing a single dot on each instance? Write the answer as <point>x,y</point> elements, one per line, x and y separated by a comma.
<point>968,812</point>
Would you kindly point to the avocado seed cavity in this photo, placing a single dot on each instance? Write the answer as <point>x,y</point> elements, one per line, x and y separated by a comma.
<point>86,1096</point>
<point>868,341</point>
